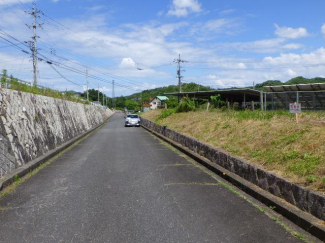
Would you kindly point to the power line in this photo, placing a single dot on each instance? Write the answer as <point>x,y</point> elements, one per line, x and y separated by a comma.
<point>63,66</point>
<point>64,76</point>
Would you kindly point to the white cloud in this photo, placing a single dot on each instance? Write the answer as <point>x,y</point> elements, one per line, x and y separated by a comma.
<point>262,46</point>
<point>12,2</point>
<point>181,8</point>
<point>314,58</point>
<point>217,25</point>
<point>291,73</point>
<point>93,8</point>
<point>211,29</point>
<point>290,33</point>
<point>160,13</point>
<point>227,12</point>
<point>127,63</point>
<point>323,29</point>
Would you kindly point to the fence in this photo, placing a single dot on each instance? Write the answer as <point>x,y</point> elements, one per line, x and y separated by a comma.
<point>309,100</point>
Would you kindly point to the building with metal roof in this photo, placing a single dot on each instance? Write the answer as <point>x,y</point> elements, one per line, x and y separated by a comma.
<point>231,95</point>
<point>240,96</point>
<point>310,96</point>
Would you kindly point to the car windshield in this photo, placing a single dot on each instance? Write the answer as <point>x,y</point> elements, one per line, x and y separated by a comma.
<point>133,116</point>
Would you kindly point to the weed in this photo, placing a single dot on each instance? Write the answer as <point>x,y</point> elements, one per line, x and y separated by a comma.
<point>165,113</point>
<point>306,165</point>
<point>225,125</point>
<point>311,179</point>
<point>16,178</point>
<point>287,139</point>
<point>290,155</point>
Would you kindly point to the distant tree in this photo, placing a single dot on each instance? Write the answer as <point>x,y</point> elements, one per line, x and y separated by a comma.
<point>131,105</point>
<point>93,95</point>
<point>302,80</point>
<point>268,83</point>
<point>4,77</point>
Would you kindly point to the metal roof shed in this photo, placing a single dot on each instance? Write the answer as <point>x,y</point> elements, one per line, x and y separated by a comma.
<point>231,95</point>
<point>311,96</point>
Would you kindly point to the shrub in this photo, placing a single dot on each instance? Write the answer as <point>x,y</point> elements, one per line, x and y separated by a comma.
<point>186,105</point>
<point>165,113</point>
<point>216,101</point>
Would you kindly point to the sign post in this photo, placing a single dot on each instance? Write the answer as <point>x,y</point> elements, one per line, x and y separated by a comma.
<point>296,109</point>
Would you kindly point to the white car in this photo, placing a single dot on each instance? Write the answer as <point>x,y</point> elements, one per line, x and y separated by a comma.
<point>132,120</point>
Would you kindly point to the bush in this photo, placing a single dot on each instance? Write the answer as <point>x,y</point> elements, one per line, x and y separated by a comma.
<point>171,103</point>
<point>216,101</point>
<point>186,105</point>
<point>165,113</point>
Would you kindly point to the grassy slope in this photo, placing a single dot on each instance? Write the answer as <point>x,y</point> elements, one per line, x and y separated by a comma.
<point>271,140</point>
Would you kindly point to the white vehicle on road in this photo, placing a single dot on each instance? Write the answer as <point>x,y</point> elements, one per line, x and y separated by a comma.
<point>132,120</point>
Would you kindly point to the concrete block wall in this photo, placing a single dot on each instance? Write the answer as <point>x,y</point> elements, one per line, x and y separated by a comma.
<point>309,201</point>
<point>31,125</point>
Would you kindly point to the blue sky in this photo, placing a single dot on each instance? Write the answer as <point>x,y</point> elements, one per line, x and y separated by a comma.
<point>226,43</point>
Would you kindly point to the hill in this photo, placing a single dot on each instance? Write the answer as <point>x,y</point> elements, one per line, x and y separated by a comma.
<point>144,96</point>
<point>296,80</point>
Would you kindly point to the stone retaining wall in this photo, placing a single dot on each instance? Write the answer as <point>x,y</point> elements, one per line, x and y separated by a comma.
<point>31,125</point>
<point>304,199</point>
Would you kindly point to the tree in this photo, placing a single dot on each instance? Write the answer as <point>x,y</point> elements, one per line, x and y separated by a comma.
<point>4,77</point>
<point>131,105</point>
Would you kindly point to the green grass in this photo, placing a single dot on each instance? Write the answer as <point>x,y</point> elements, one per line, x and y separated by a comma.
<point>14,84</point>
<point>270,139</point>
<point>256,115</point>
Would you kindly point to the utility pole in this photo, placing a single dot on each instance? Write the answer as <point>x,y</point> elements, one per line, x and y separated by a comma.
<point>87,85</point>
<point>103,99</point>
<point>113,94</point>
<point>179,61</point>
<point>33,44</point>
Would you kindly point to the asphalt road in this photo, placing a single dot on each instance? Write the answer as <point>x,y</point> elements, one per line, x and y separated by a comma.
<point>123,185</point>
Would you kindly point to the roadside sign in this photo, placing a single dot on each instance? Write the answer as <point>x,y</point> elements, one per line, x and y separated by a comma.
<point>295,108</point>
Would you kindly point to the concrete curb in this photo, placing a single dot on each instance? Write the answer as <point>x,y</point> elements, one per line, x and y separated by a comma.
<point>26,168</point>
<point>304,220</point>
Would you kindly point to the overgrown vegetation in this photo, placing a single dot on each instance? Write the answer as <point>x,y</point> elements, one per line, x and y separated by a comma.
<point>10,82</point>
<point>216,101</point>
<point>186,105</point>
<point>272,139</point>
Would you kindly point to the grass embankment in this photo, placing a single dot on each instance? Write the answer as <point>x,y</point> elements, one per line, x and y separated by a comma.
<point>13,83</point>
<point>272,140</point>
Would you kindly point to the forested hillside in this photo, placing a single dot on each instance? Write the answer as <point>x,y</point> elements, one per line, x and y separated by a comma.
<point>296,80</point>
